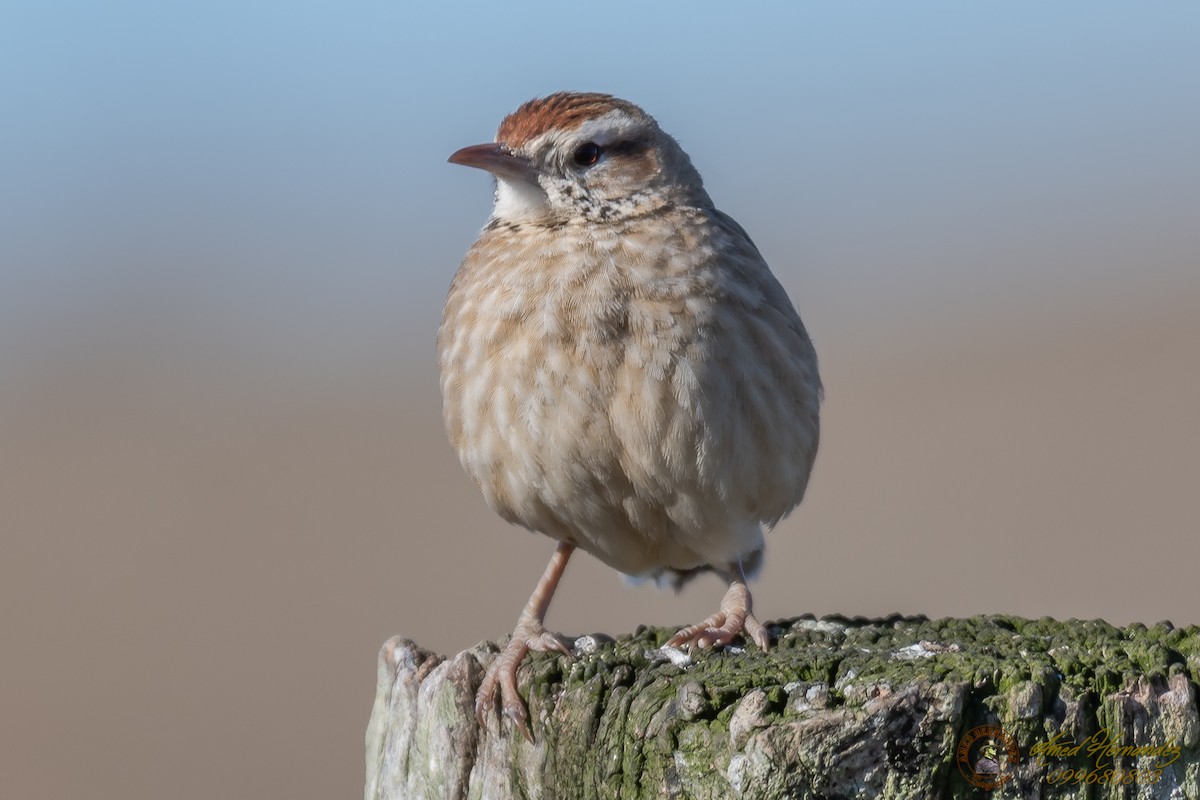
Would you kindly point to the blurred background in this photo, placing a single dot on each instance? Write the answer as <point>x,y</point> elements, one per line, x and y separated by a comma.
<point>226,230</point>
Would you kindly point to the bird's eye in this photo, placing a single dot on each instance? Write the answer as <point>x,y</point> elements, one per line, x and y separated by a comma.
<point>587,154</point>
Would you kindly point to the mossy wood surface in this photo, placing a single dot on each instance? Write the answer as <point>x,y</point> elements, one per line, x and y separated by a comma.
<point>839,708</point>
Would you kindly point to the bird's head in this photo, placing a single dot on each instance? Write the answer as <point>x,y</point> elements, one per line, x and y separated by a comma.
<point>582,156</point>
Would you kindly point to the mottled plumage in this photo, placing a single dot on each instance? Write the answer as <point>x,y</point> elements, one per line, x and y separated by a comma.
<point>620,369</point>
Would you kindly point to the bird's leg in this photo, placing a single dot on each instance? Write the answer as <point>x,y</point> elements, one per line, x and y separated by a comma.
<point>735,616</point>
<point>528,635</point>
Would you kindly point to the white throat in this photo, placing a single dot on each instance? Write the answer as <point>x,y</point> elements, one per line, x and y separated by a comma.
<point>519,201</point>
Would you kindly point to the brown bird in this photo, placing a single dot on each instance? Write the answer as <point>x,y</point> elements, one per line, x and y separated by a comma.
<point>620,370</point>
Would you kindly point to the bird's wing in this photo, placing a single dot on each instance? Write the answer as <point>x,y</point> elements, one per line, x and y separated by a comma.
<point>734,225</point>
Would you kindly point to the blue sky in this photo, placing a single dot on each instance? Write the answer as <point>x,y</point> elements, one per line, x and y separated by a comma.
<point>276,171</point>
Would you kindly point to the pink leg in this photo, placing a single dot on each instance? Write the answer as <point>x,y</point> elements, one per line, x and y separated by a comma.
<point>529,635</point>
<point>735,616</point>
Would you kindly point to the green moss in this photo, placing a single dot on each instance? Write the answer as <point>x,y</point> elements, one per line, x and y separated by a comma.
<point>631,731</point>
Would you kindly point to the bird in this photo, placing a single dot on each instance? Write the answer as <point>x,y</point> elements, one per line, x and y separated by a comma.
<point>620,369</point>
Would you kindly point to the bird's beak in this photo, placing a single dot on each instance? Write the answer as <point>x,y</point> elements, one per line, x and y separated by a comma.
<point>497,159</point>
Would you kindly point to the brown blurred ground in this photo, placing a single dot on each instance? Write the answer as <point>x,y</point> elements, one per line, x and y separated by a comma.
<point>200,561</point>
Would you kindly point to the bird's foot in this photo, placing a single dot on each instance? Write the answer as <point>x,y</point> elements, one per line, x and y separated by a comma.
<point>502,673</point>
<point>735,617</point>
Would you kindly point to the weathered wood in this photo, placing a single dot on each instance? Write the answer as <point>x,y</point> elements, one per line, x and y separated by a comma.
<point>838,708</point>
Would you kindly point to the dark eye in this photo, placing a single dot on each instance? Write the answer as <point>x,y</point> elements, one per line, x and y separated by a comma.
<point>587,154</point>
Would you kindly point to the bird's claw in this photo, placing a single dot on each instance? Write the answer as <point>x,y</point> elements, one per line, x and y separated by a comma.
<point>721,629</point>
<point>545,642</point>
<point>512,706</point>
<point>735,616</point>
<point>501,675</point>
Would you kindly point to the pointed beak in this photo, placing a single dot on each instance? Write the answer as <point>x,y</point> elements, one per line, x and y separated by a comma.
<point>497,159</point>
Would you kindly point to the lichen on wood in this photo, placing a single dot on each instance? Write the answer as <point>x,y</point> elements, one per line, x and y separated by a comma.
<point>838,708</point>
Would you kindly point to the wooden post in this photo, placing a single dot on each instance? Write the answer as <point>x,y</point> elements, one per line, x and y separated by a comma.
<point>838,708</point>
